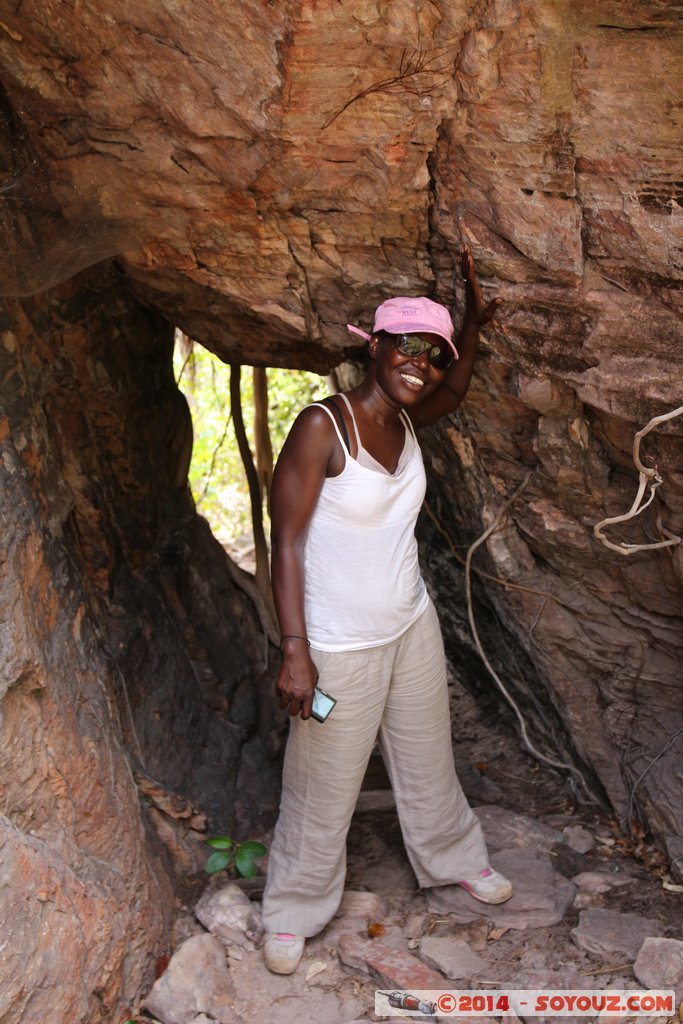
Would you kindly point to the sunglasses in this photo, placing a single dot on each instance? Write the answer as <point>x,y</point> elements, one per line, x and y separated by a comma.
<point>440,357</point>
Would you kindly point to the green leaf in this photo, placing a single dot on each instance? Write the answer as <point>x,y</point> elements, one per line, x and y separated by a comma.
<point>245,855</point>
<point>217,861</point>
<point>244,862</point>
<point>254,849</point>
<point>220,843</point>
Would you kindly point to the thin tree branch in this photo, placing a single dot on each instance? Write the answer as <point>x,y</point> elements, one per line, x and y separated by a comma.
<point>409,69</point>
<point>216,450</point>
<point>186,361</point>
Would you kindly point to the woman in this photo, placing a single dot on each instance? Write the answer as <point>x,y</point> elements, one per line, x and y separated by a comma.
<point>357,621</point>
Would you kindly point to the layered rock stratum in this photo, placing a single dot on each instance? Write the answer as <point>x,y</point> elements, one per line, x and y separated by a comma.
<point>258,175</point>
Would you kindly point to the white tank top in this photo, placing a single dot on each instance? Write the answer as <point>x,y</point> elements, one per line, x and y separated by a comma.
<point>363,586</point>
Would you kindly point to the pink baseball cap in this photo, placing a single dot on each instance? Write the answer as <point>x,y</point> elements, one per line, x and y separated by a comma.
<point>405,315</point>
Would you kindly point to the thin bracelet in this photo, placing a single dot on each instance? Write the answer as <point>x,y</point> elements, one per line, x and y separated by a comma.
<point>293,636</point>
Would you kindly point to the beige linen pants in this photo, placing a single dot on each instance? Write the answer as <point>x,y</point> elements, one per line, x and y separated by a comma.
<point>399,691</point>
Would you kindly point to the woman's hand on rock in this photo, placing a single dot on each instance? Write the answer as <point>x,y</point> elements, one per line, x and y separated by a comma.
<point>476,311</point>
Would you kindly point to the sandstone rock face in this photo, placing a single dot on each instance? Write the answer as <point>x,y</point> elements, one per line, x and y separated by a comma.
<point>559,169</point>
<point>121,653</point>
<point>75,856</point>
<point>264,173</point>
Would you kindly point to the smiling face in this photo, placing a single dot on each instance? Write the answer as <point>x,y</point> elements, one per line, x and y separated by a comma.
<point>406,379</point>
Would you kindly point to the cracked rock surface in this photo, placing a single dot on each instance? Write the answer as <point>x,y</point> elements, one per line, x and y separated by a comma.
<point>258,174</point>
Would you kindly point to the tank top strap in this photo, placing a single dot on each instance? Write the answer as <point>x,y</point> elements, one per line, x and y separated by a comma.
<point>407,423</point>
<point>353,419</point>
<point>342,442</point>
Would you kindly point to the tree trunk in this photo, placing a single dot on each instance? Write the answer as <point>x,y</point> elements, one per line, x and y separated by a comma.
<point>261,548</point>
<point>262,444</point>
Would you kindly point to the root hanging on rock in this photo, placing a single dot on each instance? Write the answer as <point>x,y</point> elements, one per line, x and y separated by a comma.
<point>648,475</point>
<point>496,678</point>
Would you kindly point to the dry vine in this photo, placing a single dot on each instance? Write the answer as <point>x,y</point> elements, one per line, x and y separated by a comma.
<point>470,614</point>
<point>648,475</point>
<point>650,764</point>
<point>408,79</point>
<point>480,572</point>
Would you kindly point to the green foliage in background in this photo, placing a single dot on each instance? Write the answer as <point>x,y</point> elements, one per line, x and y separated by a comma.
<point>217,479</point>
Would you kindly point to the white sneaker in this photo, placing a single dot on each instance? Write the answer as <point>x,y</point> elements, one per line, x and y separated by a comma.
<point>489,886</point>
<point>282,952</point>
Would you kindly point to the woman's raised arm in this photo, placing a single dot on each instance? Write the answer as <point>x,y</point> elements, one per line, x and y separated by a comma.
<point>453,388</point>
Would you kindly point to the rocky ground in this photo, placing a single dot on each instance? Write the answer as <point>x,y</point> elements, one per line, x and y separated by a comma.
<point>590,911</point>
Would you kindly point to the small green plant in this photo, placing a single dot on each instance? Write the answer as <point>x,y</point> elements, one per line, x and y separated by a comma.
<point>229,854</point>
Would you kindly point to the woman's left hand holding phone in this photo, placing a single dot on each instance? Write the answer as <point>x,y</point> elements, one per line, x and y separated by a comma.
<point>297,677</point>
<point>297,482</point>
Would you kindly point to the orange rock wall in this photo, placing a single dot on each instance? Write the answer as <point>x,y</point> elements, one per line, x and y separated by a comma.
<point>134,715</point>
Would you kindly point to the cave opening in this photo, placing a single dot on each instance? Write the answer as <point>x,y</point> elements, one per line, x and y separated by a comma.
<point>271,398</point>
